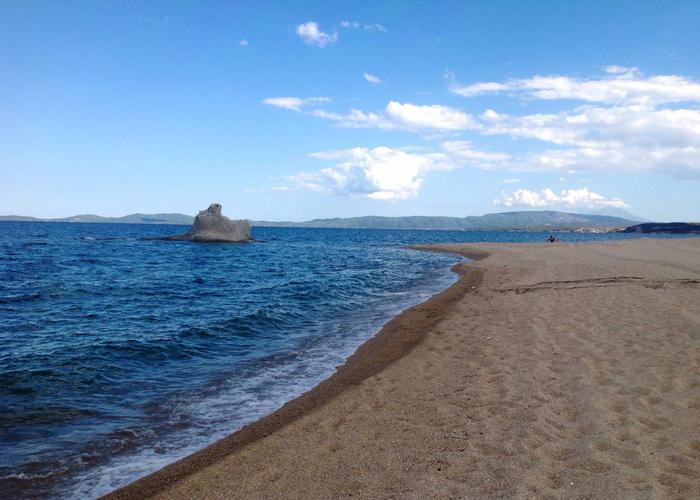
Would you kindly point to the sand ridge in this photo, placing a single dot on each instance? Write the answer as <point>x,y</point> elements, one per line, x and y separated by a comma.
<point>571,371</point>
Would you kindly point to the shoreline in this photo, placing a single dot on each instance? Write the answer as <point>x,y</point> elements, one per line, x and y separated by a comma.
<point>397,338</point>
<point>548,371</point>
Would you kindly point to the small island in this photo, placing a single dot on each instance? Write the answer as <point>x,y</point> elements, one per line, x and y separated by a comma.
<point>211,226</point>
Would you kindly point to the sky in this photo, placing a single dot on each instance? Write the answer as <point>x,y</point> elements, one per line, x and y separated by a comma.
<point>299,110</point>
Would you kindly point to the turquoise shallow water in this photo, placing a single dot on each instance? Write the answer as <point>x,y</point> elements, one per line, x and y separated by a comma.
<point>119,355</point>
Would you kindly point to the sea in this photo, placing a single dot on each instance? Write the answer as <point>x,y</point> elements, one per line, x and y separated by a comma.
<point>119,355</point>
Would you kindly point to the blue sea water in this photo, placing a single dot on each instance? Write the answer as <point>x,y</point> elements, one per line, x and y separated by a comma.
<point>119,355</point>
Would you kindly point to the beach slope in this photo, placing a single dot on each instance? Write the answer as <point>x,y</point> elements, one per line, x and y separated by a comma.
<point>548,371</point>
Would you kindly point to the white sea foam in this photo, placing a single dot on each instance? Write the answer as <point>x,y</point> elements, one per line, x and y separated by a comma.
<point>241,401</point>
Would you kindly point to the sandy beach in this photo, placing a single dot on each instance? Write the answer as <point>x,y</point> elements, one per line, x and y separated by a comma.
<point>548,370</point>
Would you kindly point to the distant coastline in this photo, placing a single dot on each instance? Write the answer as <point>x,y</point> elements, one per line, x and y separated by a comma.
<point>665,228</point>
<point>178,219</point>
<point>547,220</point>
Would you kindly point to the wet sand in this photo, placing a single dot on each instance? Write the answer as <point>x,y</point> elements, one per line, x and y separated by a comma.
<point>546,371</point>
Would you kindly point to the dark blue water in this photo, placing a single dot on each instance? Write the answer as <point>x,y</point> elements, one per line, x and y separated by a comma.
<point>118,355</point>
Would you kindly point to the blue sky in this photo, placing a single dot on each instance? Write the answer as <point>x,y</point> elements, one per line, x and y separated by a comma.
<point>297,110</point>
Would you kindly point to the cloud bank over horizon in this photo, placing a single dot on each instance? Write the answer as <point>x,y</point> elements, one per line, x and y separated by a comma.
<point>568,198</point>
<point>622,121</point>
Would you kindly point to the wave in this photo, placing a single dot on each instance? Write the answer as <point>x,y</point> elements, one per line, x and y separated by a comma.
<point>171,347</point>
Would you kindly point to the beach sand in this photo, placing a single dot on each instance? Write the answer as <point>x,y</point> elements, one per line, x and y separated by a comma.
<point>553,370</point>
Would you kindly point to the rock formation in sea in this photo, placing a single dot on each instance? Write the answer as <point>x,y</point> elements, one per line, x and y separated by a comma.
<point>211,226</point>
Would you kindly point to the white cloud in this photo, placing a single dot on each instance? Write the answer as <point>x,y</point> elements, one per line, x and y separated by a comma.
<point>621,70</point>
<point>621,85</point>
<point>356,25</point>
<point>375,80</point>
<point>477,88</point>
<point>380,173</point>
<point>243,43</point>
<point>511,181</point>
<point>642,128</point>
<point>461,152</point>
<point>416,117</point>
<point>356,119</point>
<point>398,116</point>
<point>375,27</point>
<point>570,198</point>
<point>629,137</point>
<point>616,138</point>
<point>294,103</point>
<point>629,122</point>
<point>385,173</point>
<point>310,33</point>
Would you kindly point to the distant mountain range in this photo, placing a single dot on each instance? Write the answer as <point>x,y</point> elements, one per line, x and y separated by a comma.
<point>127,219</point>
<point>515,221</point>
<point>619,212</point>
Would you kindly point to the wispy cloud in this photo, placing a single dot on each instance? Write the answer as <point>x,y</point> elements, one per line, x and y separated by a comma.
<point>403,116</point>
<point>628,122</point>
<point>615,138</point>
<point>569,198</point>
<point>623,121</point>
<point>294,103</point>
<point>243,43</point>
<point>311,34</point>
<point>464,152</point>
<point>586,138</point>
<point>374,80</point>
<point>375,27</point>
<point>367,26</point>
<point>621,85</point>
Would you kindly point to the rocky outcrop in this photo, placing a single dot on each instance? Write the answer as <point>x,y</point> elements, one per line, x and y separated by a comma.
<point>210,226</point>
<point>665,227</point>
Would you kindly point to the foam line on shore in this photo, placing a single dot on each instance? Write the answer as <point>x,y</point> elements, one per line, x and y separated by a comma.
<point>396,339</point>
